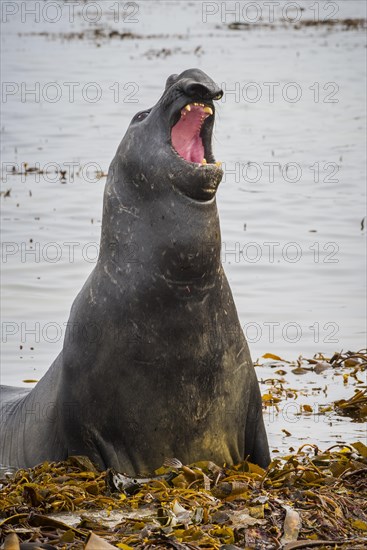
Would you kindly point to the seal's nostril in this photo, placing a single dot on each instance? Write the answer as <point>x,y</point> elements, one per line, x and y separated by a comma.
<point>197,91</point>
<point>219,95</point>
<point>200,91</point>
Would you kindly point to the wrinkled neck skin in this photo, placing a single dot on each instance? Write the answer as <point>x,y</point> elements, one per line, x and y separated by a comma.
<point>181,236</point>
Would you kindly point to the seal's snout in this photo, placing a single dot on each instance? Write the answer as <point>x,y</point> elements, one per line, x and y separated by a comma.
<point>191,131</point>
<point>188,100</point>
<point>202,91</point>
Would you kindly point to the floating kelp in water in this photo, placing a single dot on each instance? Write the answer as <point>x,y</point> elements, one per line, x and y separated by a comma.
<point>356,406</point>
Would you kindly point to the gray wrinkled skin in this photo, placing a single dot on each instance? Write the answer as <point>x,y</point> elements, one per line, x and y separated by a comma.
<point>154,362</point>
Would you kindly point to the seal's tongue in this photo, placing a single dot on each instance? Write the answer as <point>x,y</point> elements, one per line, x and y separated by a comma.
<point>185,134</point>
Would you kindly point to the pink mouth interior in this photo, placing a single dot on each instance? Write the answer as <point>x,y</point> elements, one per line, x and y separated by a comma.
<point>185,134</point>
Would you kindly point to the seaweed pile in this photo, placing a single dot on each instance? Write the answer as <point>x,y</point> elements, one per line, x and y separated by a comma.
<point>308,499</point>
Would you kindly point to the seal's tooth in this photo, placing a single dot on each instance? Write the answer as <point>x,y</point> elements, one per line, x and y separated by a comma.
<point>187,107</point>
<point>219,164</point>
<point>208,110</point>
<point>204,161</point>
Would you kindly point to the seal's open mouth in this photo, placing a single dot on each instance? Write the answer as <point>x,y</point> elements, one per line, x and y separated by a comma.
<point>191,135</point>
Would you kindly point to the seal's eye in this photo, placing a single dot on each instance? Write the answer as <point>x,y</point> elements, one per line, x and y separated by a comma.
<point>141,116</point>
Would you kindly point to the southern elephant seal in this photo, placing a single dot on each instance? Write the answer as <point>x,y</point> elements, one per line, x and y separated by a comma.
<point>154,362</point>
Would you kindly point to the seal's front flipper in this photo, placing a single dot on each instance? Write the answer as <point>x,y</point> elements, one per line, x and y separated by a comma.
<point>260,452</point>
<point>256,441</point>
